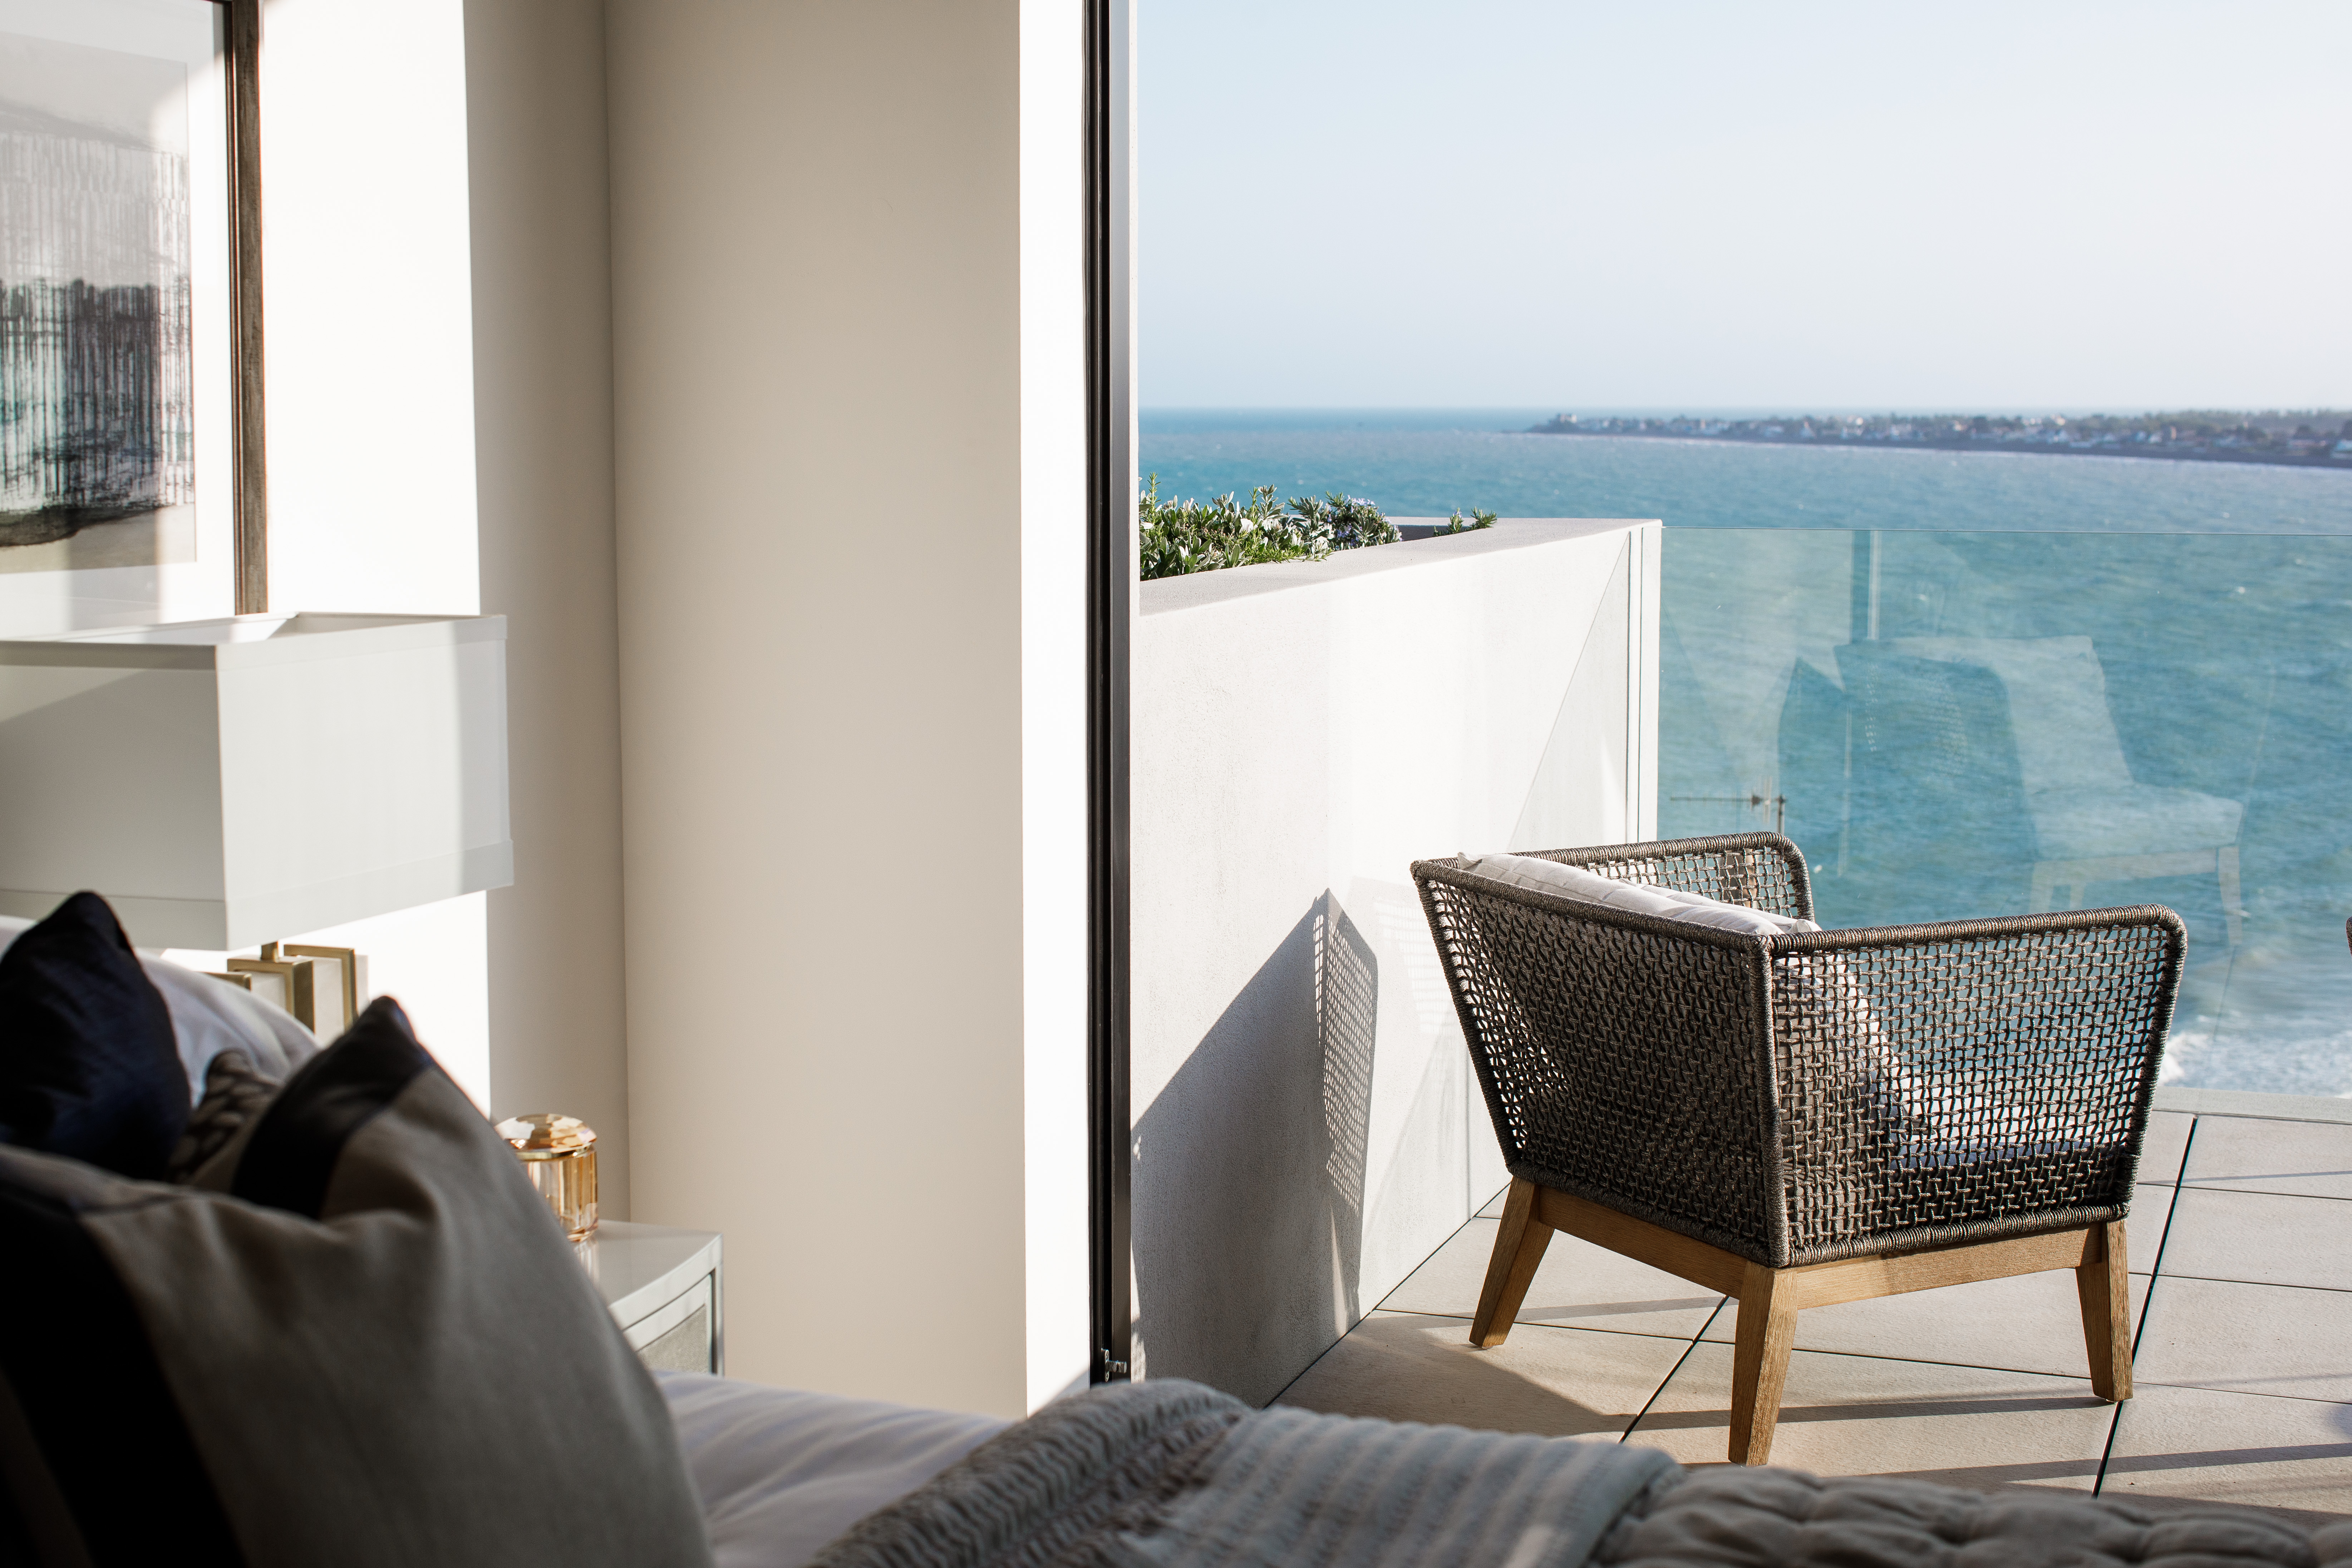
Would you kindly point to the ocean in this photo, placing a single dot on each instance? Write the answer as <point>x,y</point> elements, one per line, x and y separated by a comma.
<point>1965,683</point>
<point>1419,463</point>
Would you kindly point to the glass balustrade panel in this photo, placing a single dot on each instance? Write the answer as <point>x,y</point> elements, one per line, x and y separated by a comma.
<point>1955,724</point>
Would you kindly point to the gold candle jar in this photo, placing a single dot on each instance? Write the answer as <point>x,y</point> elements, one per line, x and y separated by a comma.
<point>559,1155</point>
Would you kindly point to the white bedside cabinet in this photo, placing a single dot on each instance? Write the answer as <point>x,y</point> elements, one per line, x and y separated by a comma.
<point>667,1290</point>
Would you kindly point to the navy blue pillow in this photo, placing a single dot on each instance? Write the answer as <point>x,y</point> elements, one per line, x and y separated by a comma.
<point>88,1067</point>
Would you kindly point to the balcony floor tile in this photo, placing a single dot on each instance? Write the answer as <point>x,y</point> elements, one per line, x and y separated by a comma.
<point>2309,1159</point>
<point>1864,1416</point>
<point>1563,1383</point>
<point>2260,1238</point>
<point>2255,1339</point>
<point>2181,1444</point>
<point>2161,1149</point>
<point>1580,1285</point>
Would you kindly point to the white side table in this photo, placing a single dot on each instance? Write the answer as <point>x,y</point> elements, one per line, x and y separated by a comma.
<point>666,1287</point>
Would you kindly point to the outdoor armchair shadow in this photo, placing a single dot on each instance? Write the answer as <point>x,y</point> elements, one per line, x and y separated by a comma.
<point>1795,1120</point>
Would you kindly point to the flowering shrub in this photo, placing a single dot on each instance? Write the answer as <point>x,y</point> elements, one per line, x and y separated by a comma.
<point>1350,521</point>
<point>1177,537</point>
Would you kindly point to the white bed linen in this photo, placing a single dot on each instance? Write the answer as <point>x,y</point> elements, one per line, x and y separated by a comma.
<point>210,1016</point>
<point>782,1472</point>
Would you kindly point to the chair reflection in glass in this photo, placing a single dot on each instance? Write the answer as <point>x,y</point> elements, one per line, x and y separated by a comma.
<point>2005,749</point>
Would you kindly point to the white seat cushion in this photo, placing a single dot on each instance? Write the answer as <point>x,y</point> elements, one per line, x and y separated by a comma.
<point>1665,903</point>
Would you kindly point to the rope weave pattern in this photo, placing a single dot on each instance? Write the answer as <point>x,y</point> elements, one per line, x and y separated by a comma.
<point>1799,1099</point>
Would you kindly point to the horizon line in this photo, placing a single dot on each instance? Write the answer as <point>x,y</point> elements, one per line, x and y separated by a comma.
<point>2072,410</point>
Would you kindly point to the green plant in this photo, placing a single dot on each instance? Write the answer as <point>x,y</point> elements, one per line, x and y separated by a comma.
<point>1178,537</point>
<point>1479,518</point>
<point>1350,523</point>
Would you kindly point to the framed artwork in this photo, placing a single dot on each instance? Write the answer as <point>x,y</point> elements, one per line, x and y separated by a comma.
<point>130,474</point>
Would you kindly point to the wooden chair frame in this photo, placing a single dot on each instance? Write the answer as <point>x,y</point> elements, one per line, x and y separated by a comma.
<point>1770,1299</point>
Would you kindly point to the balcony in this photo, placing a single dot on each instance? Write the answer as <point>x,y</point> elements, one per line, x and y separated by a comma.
<point>2242,1298</point>
<point>1948,724</point>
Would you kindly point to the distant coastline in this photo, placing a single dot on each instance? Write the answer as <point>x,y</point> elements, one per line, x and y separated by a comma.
<point>2320,438</point>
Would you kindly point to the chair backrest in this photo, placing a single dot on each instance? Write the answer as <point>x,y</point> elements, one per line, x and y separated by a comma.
<point>1625,1057</point>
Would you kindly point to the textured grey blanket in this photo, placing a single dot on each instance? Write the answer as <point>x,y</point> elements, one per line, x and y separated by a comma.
<point>1154,1474</point>
<point>1159,1474</point>
<point>1725,1517</point>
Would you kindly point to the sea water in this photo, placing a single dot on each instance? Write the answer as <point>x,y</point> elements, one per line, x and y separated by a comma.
<point>2120,661</point>
<point>1427,464</point>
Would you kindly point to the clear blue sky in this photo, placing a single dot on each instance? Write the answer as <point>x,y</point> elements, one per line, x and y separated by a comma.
<point>2064,203</point>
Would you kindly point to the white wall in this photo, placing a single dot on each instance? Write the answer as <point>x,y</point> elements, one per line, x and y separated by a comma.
<point>542,367</point>
<point>849,483</point>
<point>440,439</point>
<point>367,273</point>
<point>1308,1128</point>
<point>1053,712</point>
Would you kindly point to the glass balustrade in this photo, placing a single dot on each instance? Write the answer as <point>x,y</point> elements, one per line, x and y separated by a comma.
<point>1957,724</point>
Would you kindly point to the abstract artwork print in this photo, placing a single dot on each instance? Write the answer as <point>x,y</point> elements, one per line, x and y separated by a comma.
<point>97,376</point>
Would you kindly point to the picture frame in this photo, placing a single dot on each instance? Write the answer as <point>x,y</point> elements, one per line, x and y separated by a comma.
<point>133,461</point>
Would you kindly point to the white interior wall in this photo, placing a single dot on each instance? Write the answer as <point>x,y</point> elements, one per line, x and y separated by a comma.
<point>367,272</point>
<point>1052,726</point>
<point>543,366</point>
<point>1308,1128</point>
<point>440,394</point>
<point>849,484</point>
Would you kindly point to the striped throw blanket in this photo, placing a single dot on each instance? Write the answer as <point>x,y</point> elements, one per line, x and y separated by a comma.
<point>1173,1475</point>
<point>1157,1474</point>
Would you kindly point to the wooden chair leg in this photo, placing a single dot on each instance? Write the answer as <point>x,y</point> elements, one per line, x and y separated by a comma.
<point>2104,1286</point>
<point>1519,1249</point>
<point>1759,1362</point>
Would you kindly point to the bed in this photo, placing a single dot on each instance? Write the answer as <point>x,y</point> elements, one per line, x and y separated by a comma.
<point>302,1305</point>
<point>1171,1473</point>
<point>782,1472</point>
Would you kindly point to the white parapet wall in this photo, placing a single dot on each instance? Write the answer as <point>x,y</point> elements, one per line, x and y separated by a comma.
<point>1307,1128</point>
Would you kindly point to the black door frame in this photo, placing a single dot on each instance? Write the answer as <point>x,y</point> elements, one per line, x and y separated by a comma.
<point>1110,586</point>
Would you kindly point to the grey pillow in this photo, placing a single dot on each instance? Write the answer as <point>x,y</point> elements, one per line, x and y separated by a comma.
<point>359,1338</point>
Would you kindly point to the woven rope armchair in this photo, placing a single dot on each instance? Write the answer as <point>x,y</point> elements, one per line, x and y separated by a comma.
<point>1795,1120</point>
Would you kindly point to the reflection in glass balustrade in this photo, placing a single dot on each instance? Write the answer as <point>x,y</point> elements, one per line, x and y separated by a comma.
<point>1960,724</point>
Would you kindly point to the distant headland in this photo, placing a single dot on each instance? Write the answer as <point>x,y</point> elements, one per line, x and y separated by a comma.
<point>2306,438</point>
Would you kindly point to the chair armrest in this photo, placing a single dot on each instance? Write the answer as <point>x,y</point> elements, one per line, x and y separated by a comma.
<point>1972,1078</point>
<point>1624,1058</point>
